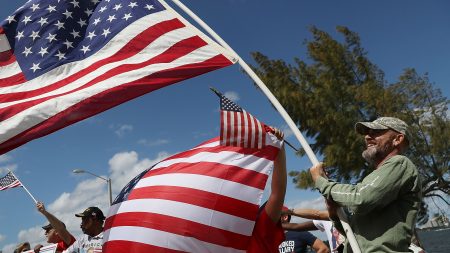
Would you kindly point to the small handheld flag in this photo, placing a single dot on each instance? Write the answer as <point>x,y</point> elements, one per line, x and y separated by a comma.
<point>9,181</point>
<point>239,128</point>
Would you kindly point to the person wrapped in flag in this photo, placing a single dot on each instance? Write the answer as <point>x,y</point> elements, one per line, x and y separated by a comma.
<point>205,199</point>
<point>268,233</point>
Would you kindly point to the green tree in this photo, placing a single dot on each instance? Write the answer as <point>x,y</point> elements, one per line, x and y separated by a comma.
<point>338,86</point>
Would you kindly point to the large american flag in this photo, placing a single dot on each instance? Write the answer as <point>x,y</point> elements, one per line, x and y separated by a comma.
<point>201,200</point>
<point>62,61</point>
<point>9,181</point>
<point>238,127</point>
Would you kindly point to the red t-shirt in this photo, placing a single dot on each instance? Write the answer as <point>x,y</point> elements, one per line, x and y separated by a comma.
<point>61,245</point>
<point>266,236</point>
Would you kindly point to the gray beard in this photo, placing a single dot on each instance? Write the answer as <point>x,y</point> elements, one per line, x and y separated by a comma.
<point>376,154</point>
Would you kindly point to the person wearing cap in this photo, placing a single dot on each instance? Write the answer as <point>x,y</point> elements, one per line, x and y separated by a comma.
<point>55,231</point>
<point>383,207</point>
<point>22,247</point>
<point>92,226</point>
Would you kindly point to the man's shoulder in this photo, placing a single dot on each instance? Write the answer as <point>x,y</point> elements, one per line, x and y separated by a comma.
<point>400,160</point>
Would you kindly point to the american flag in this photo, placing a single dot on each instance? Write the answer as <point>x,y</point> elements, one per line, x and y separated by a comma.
<point>64,61</point>
<point>9,181</point>
<point>201,200</point>
<point>238,127</point>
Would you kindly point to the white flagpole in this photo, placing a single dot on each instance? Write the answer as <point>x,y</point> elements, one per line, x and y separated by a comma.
<point>312,157</point>
<point>25,188</point>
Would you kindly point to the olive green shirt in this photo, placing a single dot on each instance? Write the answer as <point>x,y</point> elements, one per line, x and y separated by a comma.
<point>383,207</point>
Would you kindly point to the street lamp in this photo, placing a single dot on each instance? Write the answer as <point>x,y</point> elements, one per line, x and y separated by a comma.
<point>108,181</point>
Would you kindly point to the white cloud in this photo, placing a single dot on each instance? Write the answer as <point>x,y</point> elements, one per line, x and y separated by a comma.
<point>5,158</point>
<point>9,248</point>
<point>126,165</point>
<point>34,235</point>
<point>122,130</point>
<point>9,167</point>
<point>232,95</point>
<point>2,237</point>
<point>151,143</point>
<point>91,192</point>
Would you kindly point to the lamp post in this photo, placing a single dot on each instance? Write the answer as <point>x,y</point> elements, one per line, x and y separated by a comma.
<point>108,181</point>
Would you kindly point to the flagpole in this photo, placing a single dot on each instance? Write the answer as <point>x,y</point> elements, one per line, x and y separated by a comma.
<point>25,188</point>
<point>312,157</point>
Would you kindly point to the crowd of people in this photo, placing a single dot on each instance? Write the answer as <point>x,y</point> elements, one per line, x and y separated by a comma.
<point>56,232</point>
<point>381,209</point>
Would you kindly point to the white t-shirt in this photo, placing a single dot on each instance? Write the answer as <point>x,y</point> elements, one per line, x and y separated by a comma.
<point>333,235</point>
<point>87,244</point>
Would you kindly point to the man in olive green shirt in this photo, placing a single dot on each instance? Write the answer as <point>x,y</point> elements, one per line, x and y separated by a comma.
<point>383,207</point>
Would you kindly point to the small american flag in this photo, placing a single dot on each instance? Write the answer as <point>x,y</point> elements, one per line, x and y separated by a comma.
<point>64,61</point>
<point>201,200</point>
<point>239,128</point>
<point>9,181</point>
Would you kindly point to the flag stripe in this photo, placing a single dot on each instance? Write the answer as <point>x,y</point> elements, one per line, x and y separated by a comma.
<point>204,199</point>
<point>246,131</point>
<point>8,71</point>
<point>6,58</point>
<point>239,130</point>
<point>248,162</point>
<point>223,130</point>
<point>217,170</point>
<point>13,80</point>
<point>120,246</point>
<point>185,211</point>
<point>179,227</point>
<point>164,239</point>
<point>110,98</point>
<point>205,183</point>
<point>268,153</point>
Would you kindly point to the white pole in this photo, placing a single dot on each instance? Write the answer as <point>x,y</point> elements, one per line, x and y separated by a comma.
<point>312,157</point>
<point>258,81</point>
<point>25,188</point>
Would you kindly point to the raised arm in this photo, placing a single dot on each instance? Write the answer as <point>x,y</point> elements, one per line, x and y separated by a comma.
<point>58,225</point>
<point>278,186</point>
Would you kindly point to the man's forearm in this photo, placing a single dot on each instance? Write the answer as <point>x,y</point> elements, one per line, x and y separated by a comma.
<point>310,214</point>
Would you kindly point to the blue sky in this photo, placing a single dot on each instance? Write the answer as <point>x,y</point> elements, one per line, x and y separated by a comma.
<point>123,141</point>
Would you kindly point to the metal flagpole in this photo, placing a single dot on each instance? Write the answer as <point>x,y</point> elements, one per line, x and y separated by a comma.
<point>312,157</point>
<point>25,188</point>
